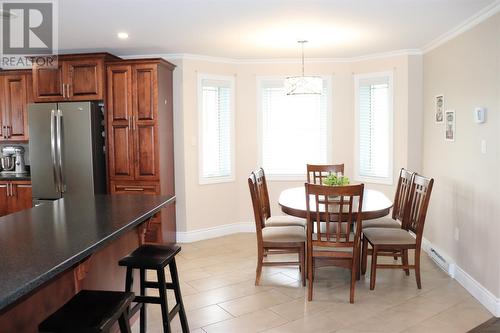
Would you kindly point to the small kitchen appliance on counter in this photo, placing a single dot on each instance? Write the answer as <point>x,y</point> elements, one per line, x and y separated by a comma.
<point>12,160</point>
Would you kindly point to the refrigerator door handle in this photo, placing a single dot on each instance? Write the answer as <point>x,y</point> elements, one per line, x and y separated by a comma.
<point>53,152</point>
<point>59,150</point>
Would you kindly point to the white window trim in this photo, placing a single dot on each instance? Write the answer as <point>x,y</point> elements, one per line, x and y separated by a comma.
<point>225,179</point>
<point>375,180</point>
<point>329,127</point>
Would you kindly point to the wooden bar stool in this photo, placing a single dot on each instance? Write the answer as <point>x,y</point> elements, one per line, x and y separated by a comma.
<point>155,257</point>
<point>90,311</point>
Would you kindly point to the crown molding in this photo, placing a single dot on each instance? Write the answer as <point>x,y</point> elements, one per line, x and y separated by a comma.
<point>466,25</point>
<point>201,57</point>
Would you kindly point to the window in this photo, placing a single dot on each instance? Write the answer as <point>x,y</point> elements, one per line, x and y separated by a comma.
<point>294,130</point>
<point>216,128</point>
<point>374,127</point>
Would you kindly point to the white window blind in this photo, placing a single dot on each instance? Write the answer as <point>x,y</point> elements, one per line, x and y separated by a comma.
<point>216,129</point>
<point>294,129</point>
<point>374,128</point>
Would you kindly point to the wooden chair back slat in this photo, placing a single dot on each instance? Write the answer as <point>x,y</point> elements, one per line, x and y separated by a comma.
<point>252,185</point>
<point>262,195</point>
<point>337,203</point>
<point>316,173</point>
<point>402,195</point>
<point>420,194</point>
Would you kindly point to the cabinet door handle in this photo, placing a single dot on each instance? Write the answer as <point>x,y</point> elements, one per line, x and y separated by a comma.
<point>67,93</point>
<point>134,122</point>
<point>9,189</point>
<point>64,90</point>
<point>137,189</point>
<point>9,131</point>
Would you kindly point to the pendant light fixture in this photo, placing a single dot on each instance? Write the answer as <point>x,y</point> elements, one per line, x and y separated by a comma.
<point>303,85</point>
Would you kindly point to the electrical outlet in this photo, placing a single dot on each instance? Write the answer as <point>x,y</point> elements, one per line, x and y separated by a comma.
<point>456,234</point>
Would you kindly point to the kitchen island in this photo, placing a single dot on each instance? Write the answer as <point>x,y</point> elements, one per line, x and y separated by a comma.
<point>50,252</point>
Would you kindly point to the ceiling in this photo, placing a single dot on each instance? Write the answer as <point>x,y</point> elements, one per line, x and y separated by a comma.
<point>246,29</point>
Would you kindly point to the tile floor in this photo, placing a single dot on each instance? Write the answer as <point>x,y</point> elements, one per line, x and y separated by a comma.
<point>219,294</point>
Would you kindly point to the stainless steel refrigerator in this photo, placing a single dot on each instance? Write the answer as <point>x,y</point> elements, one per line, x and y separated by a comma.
<point>66,149</point>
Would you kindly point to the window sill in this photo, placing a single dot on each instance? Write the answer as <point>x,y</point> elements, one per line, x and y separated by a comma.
<point>286,178</point>
<point>215,180</point>
<point>374,180</point>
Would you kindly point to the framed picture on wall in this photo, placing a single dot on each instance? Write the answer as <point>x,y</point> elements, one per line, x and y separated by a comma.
<point>439,109</point>
<point>449,132</point>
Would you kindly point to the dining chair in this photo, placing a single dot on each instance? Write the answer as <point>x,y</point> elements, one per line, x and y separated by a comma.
<point>273,220</point>
<point>317,172</point>
<point>288,239</point>
<point>398,208</point>
<point>401,240</point>
<point>333,229</point>
<point>399,205</point>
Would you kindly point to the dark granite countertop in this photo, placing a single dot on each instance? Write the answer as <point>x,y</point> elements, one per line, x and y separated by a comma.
<point>11,177</point>
<point>38,243</point>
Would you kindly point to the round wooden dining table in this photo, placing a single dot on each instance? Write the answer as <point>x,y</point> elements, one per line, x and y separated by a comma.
<point>293,202</point>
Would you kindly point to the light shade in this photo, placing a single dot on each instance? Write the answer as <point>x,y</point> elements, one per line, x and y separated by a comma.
<point>304,85</point>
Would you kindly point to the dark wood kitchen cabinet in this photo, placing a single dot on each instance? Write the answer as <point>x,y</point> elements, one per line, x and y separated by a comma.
<point>3,198</point>
<point>15,196</point>
<point>140,135</point>
<point>77,77</point>
<point>15,93</point>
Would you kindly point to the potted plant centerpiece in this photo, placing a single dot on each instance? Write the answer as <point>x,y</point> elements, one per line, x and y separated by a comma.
<point>336,180</point>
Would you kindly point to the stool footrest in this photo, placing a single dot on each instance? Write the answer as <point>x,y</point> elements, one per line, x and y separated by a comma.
<point>147,299</point>
<point>154,284</point>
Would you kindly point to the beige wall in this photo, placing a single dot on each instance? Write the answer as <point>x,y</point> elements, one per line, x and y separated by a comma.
<point>466,191</point>
<point>206,206</point>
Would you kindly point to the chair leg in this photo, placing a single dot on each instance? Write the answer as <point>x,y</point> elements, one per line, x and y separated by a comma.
<point>364,256</point>
<point>417,268</point>
<point>178,296</point>
<point>354,274</point>
<point>162,290</point>
<point>373,272</point>
<point>260,258</point>
<point>302,264</point>
<point>405,261</point>
<point>129,280</point>
<point>310,269</point>
<point>143,319</point>
<point>358,264</point>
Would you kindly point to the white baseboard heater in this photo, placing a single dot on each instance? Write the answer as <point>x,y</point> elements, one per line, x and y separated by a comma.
<point>440,260</point>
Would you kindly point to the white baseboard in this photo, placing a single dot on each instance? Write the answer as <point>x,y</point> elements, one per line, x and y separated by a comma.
<point>476,289</point>
<point>483,295</point>
<point>219,231</point>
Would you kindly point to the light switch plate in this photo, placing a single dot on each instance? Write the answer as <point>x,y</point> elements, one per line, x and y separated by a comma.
<point>480,115</point>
